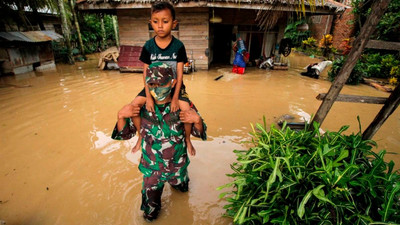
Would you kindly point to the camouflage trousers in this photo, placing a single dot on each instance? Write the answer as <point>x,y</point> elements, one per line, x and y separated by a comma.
<point>152,189</point>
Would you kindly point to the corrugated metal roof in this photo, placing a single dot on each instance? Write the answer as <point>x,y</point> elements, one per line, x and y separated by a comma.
<point>55,36</point>
<point>31,36</point>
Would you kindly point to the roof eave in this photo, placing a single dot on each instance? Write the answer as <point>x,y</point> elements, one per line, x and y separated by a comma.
<point>85,6</point>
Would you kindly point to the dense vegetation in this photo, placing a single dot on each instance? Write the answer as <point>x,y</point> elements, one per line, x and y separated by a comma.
<point>90,25</point>
<point>296,36</point>
<point>375,63</point>
<point>305,177</point>
<point>369,65</point>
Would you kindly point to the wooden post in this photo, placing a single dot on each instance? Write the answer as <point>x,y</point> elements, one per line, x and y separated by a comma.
<point>378,9</point>
<point>390,106</point>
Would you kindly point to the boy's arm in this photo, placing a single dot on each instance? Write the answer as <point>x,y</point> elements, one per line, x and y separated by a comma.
<point>178,86</point>
<point>149,100</point>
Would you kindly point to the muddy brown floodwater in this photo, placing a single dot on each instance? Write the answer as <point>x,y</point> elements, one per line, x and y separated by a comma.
<point>58,164</point>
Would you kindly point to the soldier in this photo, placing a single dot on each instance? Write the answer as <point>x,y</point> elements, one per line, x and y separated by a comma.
<point>164,152</point>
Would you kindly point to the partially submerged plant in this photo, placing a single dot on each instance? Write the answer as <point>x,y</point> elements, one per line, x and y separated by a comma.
<point>305,177</point>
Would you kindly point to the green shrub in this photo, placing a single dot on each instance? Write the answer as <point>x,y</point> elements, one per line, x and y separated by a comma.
<point>296,36</point>
<point>305,177</point>
<point>356,75</point>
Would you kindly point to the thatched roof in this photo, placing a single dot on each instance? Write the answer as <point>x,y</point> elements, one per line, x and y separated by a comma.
<point>320,7</point>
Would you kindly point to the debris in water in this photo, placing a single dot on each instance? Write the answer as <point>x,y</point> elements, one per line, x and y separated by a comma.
<point>219,77</point>
<point>47,188</point>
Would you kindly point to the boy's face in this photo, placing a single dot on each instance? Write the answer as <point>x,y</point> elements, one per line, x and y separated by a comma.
<point>162,22</point>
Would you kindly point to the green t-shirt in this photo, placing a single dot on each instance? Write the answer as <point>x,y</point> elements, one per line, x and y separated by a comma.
<point>175,52</point>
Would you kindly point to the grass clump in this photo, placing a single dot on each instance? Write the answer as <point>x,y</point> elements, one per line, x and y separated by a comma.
<point>305,177</point>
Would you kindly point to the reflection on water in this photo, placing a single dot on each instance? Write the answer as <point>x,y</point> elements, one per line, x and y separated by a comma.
<point>58,164</point>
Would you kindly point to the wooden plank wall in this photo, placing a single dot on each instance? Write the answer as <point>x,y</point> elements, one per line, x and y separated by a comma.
<point>193,32</point>
<point>133,26</point>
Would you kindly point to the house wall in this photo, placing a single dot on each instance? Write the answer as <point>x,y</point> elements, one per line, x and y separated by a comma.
<point>343,28</point>
<point>193,31</point>
<point>320,25</point>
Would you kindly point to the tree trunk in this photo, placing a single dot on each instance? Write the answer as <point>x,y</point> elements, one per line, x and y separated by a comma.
<point>103,32</point>
<point>378,9</point>
<point>66,31</point>
<point>115,25</point>
<point>78,29</point>
<point>390,106</point>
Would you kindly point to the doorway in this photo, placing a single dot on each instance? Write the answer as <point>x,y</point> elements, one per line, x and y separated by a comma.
<point>222,43</point>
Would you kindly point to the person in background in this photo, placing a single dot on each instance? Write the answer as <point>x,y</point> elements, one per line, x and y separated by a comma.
<point>315,69</point>
<point>241,57</point>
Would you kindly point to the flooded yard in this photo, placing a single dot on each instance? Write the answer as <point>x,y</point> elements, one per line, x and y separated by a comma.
<point>58,164</point>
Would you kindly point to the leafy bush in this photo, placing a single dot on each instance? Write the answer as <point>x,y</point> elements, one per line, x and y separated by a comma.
<point>296,36</point>
<point>388,28</point>
<point>369,65</point>
<point>356,75</point>
<point>305,177</point>
<point>310,42</point>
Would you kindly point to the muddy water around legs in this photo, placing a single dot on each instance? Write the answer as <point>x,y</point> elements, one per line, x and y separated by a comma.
<point>58,164</point>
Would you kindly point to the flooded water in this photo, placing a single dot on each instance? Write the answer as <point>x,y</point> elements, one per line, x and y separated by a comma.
<point>58,164</point>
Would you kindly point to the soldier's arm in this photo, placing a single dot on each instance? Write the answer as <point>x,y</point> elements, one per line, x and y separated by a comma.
<point>199,127</point>
<point>125,129</point>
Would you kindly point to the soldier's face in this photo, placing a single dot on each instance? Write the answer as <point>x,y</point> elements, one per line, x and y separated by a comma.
<point>160,92</point>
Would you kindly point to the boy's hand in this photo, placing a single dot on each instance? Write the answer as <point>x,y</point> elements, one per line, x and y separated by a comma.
<point>149,104</point>
<point>189,116</point>
<point>128,111</point>
<point>174,105</point>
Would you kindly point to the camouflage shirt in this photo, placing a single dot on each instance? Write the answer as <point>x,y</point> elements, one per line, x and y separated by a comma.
<point>163,143</point>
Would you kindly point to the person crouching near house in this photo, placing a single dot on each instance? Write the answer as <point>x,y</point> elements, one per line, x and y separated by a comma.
<point>241,57</point>
<point>315,69</point>
<point>164,152</point>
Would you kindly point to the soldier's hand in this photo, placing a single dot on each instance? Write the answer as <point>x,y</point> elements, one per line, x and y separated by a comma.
<point>129,111</point>
<point>189,116</point>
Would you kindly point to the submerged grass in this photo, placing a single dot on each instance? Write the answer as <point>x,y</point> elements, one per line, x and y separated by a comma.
<point>305,177</point>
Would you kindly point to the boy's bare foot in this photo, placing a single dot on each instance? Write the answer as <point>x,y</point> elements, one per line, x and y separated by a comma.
<point>190,148</point>
<point>138,145</point>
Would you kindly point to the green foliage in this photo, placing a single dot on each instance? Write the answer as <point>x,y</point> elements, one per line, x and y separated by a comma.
<point>305,177</point>
<point>356,75</point>
<point>296,36</point>
<point>90,26</point>
<point>370,65</point>
<point>310,42</point>
<point>388,28</point>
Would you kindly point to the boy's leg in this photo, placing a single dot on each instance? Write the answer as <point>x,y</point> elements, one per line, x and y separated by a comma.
<point>151,196</point>
<point>139,101</point>
<point>183,105</point>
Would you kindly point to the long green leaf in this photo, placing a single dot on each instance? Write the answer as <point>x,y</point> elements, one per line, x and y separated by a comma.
<point>301,209</point>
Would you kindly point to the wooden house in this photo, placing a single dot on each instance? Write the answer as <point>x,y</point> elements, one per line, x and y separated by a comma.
<point>21,52</point>
<point>207,27</point>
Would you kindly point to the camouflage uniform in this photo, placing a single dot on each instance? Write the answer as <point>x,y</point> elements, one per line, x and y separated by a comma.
<point>164,154</point>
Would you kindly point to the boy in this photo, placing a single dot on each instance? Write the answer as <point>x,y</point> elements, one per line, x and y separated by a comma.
<point>164,48</point>
<point>164,156</point>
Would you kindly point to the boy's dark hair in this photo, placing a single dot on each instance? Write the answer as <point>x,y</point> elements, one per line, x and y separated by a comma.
<point>158,6</point>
